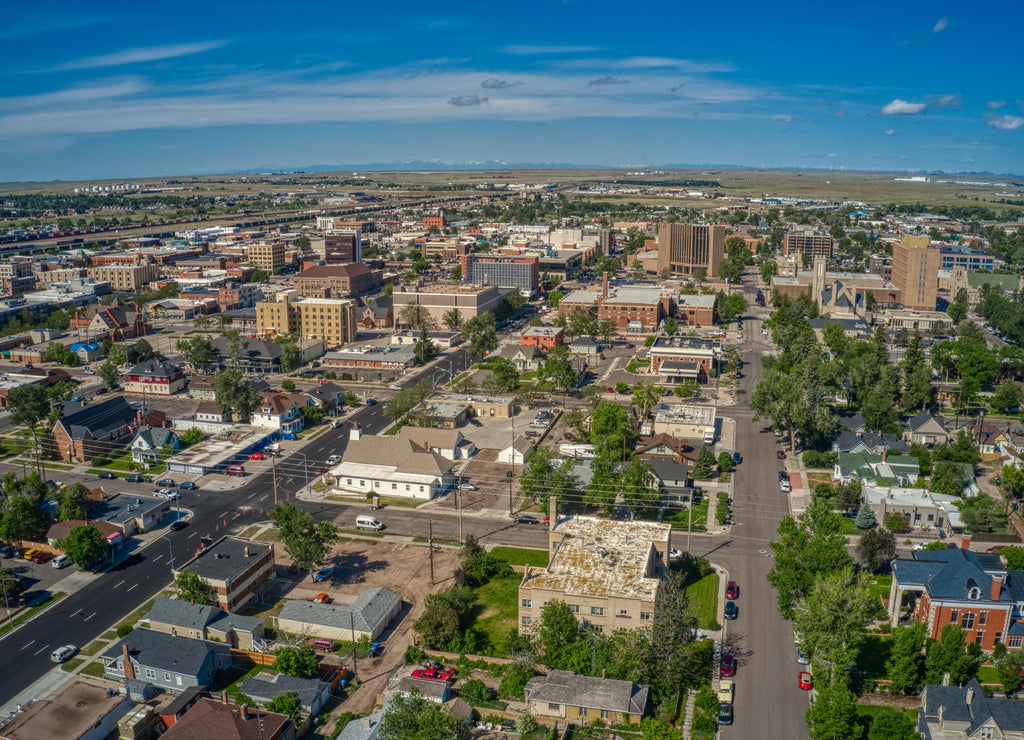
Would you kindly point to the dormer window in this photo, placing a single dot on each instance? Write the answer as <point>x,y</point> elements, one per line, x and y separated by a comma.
<point>974,594</point>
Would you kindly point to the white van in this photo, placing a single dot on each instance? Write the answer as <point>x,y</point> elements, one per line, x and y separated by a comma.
<point>62,654</point>
<point>60,561</point>
<point>709,437</point>
<point>365,521</point>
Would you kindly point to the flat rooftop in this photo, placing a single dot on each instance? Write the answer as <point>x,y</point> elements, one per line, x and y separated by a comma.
<point>467,288</point>
<point>636,295</point>
<point>473,398</point>
<point>686,414</point>
<point>69,715</point>
<point>685,343</point>
<point>226,558</point>
<point>213,451</point>
<point>600,557</point>
<point>124,507</point>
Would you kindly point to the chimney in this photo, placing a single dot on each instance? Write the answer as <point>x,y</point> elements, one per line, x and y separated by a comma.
<point>245,711</point>
<point>970,695</point>
<point>602,673</point>
<point>552,511</point>
<point>426,447</point>
<point>604,287</point>
<point>129,669</point>
<point>885,453</point>
<point>965,542</point>
<point>997,587</point>
<point>367,723</point>
<point>223,697</point>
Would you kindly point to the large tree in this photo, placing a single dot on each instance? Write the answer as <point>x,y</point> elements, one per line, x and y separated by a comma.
<point>892,724</point>
<point>480,334</point>
<point>905,665</point>
<point>71,502</point>
<point>306,541</point>
<point>415,316</point>
<point>557,632</point>
<point>29,404</point>
<point>876,547</point>
<point>296,661</point>
<point>190,587</point>
<point>810,545</point>
<point>558,369</point>
<point>85,546</point>
<point>833,715</point>
<point>949,654</point>
<point>233,391</point>
<point>831,618</point>
<point>413,717</point>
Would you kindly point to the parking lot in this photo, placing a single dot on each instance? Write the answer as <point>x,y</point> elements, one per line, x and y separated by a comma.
<point>38,578</point>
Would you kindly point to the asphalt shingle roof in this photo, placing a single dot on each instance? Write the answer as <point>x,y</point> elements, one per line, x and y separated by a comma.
<point>166,652</point>
<point>369,611</point>
<point>565,687</point>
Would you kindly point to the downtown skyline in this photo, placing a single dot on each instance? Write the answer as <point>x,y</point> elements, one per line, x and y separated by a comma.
<point>134,91</point>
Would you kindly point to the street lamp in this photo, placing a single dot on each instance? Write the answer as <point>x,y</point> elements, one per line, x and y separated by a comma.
<point>169,547</point>
<point>7,603</point>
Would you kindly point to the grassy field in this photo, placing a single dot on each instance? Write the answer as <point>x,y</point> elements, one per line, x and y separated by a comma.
<point>521,556</point>
<point>93,647</point>
<point>703,596</point>
<point>500,601</point>
<point>94,669</point>
<point>989,674</point>
<point>880,586</point>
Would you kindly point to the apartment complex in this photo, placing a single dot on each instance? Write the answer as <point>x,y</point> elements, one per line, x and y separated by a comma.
<point>237,571</point>
<point>125,277</point>
<point>17,278</point>
<point>438,298</point>
<point>632,309</point>
<point>331,319</point>
<point>677,358</point>
<point>334,281</point>
<point>915,272</point>
<point>685,248</point>
<point>267,257</point>
<point>503,270</point>
<point>606,571</point>
<point>808,242</point>
<point>343,247</point>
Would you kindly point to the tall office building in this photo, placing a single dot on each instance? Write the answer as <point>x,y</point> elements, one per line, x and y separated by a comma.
<point>915,272</point>
<point>343,247</point>
<point>686,248</point>
<point>808,242</point>
<point>505,271</point>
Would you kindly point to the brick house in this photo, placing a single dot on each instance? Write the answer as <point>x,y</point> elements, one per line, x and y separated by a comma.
<point>154,378</point>
<point>236,570</point>
<point>957,586</point>
<point>94,429</point>
<point>543,337</point>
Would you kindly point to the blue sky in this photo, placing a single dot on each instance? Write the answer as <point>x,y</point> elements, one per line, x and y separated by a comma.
<point>129,90</point>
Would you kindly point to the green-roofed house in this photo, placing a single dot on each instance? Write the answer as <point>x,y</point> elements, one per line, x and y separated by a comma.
<point>877,470</point>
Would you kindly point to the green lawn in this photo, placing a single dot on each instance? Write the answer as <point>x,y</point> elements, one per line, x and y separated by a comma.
<point>703,596</point>
<point>880,586</point>
<point>72,664</point>
<point>873,655</point>
<point>989,674</point>
<point>867,712</point>
<point>94,669</point>
<point>679,519</point>
<point>521,556</point>
<point>500,611</point>
<point>93,647</point>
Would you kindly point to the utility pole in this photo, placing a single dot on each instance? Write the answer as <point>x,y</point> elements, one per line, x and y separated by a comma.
<point>509,476</point>
<point>689,523</point>
<point>352,626</point>
<point>458,499</point>
<point>273,469</point>
<point>430,544</point>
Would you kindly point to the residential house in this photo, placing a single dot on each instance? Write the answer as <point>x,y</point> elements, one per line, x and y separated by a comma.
<point>116,324</point>
<point>449,443</point>
<point>516,452</point>
<point>87,352</point>
<point>525,358</point>
<point>665,446</point>
<point>267,685</point>
<point>257,356</point>
<point>378,314</point>
<point>213,719</point>
<point>167,661</point>
<point>435,691</point>
<point>922,509</point>
<point>925,429</point>
<point>967,713</point>
<point>369,616</point>
<point>281,411</point>
<point>204,622</point>
<point>673,480</point>
<point>237,571</point>
<point>853,422</point>
<point>542,337</point>
<point>154,378</point>
<point>130,513</point>
<point>606,571</point>
<point>201,387</point>
<point>328,396</point>
<point>988,437</point>
<point>563,695</point>
<point>150,443</point>
<point>876,470</point>
<point>211,412</point>
<point>98,428</point>
<point>957,586</point>
<point>869,442</point>
<point>391,466</point>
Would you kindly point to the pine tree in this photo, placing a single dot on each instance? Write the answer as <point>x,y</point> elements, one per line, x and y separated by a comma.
<point>703,464</point>
<point>865,517</point>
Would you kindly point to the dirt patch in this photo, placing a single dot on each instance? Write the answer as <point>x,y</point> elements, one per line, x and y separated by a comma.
<point>400,567</point>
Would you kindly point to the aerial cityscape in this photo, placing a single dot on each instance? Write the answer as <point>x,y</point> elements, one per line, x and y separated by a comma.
<point>534,373</point>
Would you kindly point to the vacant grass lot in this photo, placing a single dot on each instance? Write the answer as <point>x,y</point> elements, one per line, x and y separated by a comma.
<point>703,596</point>
<point>499,600</point>
<point>521,556</point>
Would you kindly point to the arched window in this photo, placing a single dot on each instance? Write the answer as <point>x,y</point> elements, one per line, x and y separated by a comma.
<point>974,594</point>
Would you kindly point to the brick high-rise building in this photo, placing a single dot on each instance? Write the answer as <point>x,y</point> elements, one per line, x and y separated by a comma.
<point>343,247</point>
<point>686,248</point>
<point>915,272</point>
<point>330,319</point>
<point>808,242</point>
<point>267,257</point>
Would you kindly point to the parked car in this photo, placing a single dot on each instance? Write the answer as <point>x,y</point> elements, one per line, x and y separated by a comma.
<point>727,666</point>
<point>732,590</point>
<point>395,387</point>
<point>87,371</point>
<point>675,553</point>
<point>804,680</point>
<point>30,553</point>
<point>256,456</point>
<point>322,598</point>
<point>78,399</point>
<point>133,478</point>
<point>334,459</point>
<point>323,574</point>
<point>731,610</point>
<point>526,519</point>
<point>166,482</point>
<point>784,486</point>
<point>466,486</point>
<point>736,458</point>
<point>108,476</point>
<point>188,486</point>
<point>7,551</point>
<point>724,713</point>
<point>289,435</point>
<point>803,657</point>
<point>41,557</point>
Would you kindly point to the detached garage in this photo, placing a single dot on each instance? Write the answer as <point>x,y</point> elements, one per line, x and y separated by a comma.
<point>370,614</point>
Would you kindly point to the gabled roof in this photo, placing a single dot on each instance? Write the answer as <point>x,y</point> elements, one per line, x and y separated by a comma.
<point>248,348</point>
<point>971,706</point>
<point>156,437</point>
<point>567,688</point>
<point>155,369</point>
<point>924,419</point>
<point>665,469</point>
<point>212,719</point>
<point>644,445</point>
<point>397,452</point>
<point>163,652</point>
<point>951,573</point>
<point>446,438</point>
<point>199,616</point>
<point>872,442</point>
<point>584,341</point>
<point>99,419</point>
<point>368,613</point>
<point>267,685</point>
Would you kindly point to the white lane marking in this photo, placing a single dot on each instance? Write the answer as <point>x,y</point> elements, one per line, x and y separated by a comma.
<point>89,617</point>
<point>118,584</point>
<point>30,642</point>
<point>157,558</point>
<point>41,649</point>
<point>130,589</point>
<point>191,535</point>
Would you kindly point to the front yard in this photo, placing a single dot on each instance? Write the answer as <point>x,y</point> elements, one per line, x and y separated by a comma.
<point>703,596</point>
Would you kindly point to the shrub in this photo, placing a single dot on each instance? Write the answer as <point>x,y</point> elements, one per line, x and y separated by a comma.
<point>476,691</point>
<point>815,459</point>
<point>124,629</point>
<point>896,522</point>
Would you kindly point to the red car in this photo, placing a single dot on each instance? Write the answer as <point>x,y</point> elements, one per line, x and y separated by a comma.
<point>256,456</point>
<point>434,674</point>
<point>41,557</point>
<point>728,666</point>
<point>732,591</point>
<point>804,680</point>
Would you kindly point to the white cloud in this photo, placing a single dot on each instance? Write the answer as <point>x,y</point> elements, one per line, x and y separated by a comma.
<point>117,87</point>
<point>839,114</point>
<point>531,50</point>
<point>891,132</point>
<point>951,100</point>
<point>940,25</point>
<point>1006,123</point>
<point>996,104</point>
<point>902,108</point>
<point>136,56</point>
